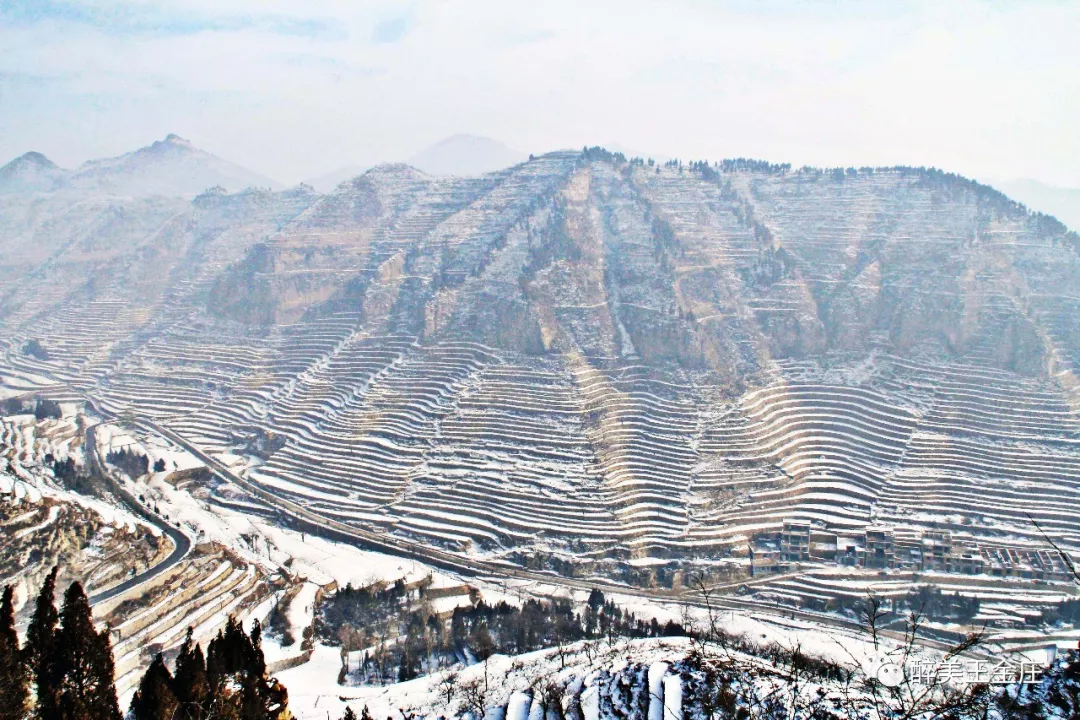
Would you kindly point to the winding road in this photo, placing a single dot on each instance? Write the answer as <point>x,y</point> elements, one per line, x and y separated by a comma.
<point>181,542</point>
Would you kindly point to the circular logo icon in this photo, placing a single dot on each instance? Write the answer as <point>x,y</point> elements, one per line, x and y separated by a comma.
<point>881,667</point>
<point>890,674</point>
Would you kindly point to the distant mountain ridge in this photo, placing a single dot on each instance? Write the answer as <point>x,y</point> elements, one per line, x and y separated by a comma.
<point>172,167</point>
<point>328,181</point>
<point>1062,203</point>
<point>466,155</point>
<point>455,156</point>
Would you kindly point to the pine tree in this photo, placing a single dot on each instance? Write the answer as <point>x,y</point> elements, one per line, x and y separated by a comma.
<point>154,700</point>
<point>38,651</point>
<point>81,666</point>
<point>252,699</point>
<point>257,661</point>
<point>106,673</point>
<point>14,679</point>
<point>236,673</point>
<point>349,714</point>
<point>483,646</point>
<point>231,652</point>
<point>190,685</point>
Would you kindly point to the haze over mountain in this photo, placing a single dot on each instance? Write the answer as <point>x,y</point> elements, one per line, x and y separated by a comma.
<point>457,155</point>
<point>28,173</point>
<point>465,155</point>
<point>172,167</point>
<point>1062,203</point>
<point>327,182</point>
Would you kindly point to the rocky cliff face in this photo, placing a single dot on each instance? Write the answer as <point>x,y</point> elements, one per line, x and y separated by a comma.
<point>580,352</point>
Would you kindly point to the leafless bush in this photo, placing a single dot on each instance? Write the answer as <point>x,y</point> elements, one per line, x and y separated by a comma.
<point>448,686</point>
<point>474,698</point>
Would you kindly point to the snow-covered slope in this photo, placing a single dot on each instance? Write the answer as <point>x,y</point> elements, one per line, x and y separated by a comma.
<point>652,679</point>
<point>30,173</point>
<point>465,155</point>
<point>172,167</point>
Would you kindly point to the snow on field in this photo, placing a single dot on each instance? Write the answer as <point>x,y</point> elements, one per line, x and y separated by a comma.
<point>313,688</point>
<point>314,692</point>
<point>257,540</point>
<point>855,580</point>
<point>322,561</point>
<point>33,486</point>
<point>50,518</point>
<point>31,440</point>
<point>656,687</point>
<point>518,706</point>
<point>176,458</point>
<point>19,382</point>
<point>302,608</point>
<point>110,438</point>
<point>301,615</point>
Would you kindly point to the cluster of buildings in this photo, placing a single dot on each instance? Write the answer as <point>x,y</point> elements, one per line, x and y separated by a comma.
<point>883,547</point>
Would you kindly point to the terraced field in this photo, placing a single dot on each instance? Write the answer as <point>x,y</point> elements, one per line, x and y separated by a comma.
<point>584,357</point>
<point>93,539</point>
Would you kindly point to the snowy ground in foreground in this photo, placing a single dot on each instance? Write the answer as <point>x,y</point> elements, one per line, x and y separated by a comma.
<point>314,692</point>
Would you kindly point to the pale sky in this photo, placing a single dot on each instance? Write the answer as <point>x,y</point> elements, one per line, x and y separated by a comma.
<point>294,89</point>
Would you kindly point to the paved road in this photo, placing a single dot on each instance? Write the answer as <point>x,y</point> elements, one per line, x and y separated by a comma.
<point>181,542</point>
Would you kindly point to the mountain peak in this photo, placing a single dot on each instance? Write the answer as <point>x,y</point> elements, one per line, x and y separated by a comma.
<point>171,143</point>
<point>465,154</point>
<point>171,167</point>
<point>30,172</point>
<point>172,140</point>
<point>33,158</point>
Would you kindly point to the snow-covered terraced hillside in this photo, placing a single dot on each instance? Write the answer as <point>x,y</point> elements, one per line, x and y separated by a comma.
<point>583,356</point>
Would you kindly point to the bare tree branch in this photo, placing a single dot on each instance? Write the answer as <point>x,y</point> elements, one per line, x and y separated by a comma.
<point>1064,556</point>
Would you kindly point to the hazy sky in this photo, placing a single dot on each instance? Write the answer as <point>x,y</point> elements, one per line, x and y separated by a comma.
<point>296,89</point>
